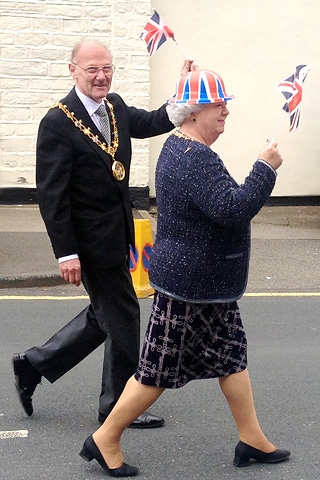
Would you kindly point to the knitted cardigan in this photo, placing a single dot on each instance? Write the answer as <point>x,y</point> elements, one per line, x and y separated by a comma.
<point>202,246</point>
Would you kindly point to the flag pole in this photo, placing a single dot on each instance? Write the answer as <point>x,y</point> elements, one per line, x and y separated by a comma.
<point>175,41</point>
<point>276,130</point>
<point>184,53</point>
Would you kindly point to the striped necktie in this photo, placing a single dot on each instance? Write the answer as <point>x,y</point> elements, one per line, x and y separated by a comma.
<point>104,122</point>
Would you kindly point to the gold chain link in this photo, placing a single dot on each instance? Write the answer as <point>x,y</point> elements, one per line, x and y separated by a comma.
<point>110,149</point>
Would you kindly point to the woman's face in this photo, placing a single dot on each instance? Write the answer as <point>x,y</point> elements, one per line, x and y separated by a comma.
<point>210,121</point>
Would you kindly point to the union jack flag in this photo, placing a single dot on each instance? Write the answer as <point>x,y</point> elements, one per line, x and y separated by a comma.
<point>155,33</point>
<point>292,90</point>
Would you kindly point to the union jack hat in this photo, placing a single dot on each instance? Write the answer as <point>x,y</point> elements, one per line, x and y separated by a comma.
<point>200,87</point>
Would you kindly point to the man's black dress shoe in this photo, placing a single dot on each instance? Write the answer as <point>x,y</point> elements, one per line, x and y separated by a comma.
<point>145,420</point>
<point>26,380</point>
<point>90,451</point>
<point>245,453</point>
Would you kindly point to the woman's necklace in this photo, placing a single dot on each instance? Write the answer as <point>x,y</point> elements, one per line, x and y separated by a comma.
<point>179,134</point>
<point>118,169</point>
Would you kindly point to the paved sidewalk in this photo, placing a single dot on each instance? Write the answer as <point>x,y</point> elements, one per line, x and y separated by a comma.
<point>27,260</point>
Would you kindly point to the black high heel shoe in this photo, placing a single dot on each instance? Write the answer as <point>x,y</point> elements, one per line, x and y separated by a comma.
<point>244,453</point>
<point>90,451</point>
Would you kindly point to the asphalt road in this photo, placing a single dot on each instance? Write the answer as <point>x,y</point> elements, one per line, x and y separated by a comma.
<point>199,437</point>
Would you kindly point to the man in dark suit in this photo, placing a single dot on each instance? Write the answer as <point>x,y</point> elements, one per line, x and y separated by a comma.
<point>82,172</point>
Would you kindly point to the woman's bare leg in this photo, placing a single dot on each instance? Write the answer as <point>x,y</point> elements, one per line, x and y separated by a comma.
<point>238,392</point>
<point>134,400</point>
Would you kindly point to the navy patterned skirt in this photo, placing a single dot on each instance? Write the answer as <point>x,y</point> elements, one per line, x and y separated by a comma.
<point>189,341</point>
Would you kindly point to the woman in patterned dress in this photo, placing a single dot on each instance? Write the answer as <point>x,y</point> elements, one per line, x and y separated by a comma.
<point>199,269</point>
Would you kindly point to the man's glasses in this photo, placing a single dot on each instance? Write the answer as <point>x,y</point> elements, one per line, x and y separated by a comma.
<point>92,71</point>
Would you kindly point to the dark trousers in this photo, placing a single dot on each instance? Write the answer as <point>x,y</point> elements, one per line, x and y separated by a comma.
<point>113,317</point>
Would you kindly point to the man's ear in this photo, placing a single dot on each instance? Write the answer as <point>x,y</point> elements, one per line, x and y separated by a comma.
<point>72,70</point>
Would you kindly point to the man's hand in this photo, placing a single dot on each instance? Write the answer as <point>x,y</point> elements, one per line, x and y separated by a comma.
<point>187,66</point>
<point>71,271</point>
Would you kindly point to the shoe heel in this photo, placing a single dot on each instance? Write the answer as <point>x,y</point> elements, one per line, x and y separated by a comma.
<point>86,454</point>
<point>16,364</point>
<point>241,461</point>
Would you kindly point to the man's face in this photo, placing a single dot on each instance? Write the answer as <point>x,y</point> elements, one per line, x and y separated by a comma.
<point>94,86</point>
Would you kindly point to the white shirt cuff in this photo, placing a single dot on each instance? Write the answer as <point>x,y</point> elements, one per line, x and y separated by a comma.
<point>67,257</point>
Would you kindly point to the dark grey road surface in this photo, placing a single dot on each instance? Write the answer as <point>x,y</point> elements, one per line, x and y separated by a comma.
<point>199,437</point>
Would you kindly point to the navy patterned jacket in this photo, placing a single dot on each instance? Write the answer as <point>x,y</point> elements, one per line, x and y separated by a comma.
<point>202,247</point>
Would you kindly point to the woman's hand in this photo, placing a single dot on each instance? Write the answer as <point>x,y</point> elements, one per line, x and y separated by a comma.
<point>271,155</point>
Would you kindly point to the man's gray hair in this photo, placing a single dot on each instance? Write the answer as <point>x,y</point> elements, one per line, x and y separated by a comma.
<point>77,48</point>
<point>178,112</point>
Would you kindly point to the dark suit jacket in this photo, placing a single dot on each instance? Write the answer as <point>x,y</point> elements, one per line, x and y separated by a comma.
<point>85,209</point>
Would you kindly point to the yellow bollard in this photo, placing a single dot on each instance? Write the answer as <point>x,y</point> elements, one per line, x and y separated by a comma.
<point>139,260</point>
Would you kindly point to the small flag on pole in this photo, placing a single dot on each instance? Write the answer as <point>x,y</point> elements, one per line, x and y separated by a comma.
<point>292,90</point>
<point>155,33</point>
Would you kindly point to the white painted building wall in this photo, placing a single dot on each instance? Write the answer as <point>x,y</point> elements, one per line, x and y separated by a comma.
<point>253,45</point>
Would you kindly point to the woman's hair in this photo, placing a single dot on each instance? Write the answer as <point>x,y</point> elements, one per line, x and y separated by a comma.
<point>178,112</point>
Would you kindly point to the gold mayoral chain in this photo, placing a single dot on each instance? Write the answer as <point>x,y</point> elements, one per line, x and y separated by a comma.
<point>118,169</point>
